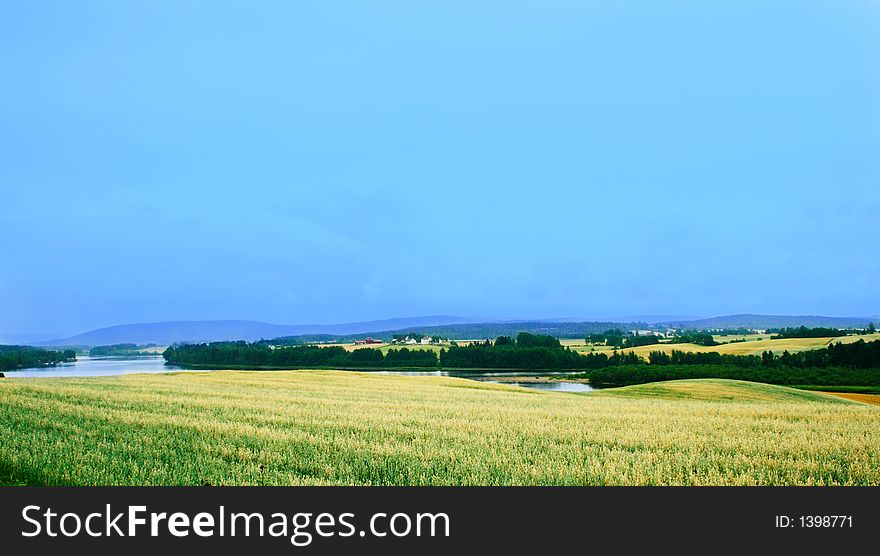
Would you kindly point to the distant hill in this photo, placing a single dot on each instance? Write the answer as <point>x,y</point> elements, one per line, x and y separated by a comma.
<point>165,333</point>
<point>479,330</point>
<point>578,329</point>
<point>457,328</point>
<point>769,321</point>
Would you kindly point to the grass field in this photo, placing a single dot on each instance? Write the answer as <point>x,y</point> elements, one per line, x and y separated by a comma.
<point>330,427</point>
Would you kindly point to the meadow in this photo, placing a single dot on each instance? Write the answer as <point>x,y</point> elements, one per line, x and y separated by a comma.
<point>347,428</point>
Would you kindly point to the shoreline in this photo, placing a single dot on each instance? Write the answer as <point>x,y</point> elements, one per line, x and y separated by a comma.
<point>533,379</point>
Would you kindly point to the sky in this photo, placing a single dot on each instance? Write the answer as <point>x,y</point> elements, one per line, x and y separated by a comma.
<point>330,161</point>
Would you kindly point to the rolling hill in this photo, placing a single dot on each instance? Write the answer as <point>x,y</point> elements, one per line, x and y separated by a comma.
<point>165,333</point>
<point>459,328</point>
<point>769,321</point>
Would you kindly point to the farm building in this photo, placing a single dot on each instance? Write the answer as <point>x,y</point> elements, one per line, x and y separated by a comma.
<point>367,341</point>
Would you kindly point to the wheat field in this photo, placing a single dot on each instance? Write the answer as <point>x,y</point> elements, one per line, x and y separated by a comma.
<point>346,428</point>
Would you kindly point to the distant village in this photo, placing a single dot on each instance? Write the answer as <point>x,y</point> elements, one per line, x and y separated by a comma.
<point>420,339</point>
<point>406,340</point>
<point>673,333</point>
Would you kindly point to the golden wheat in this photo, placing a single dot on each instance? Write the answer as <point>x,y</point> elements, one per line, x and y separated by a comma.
<point>327,427</point>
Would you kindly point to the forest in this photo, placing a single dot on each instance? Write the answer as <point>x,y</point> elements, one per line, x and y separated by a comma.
<point>462,331</point>
<point>21,357</point>
<point>119,350</point>
<point>853,364</point>
<point>617,338</point>
<point>856,355</point>
<point>256,355</point>
<point>804,332</point>
<point>695,337</point>
<point>525,352</point>
<point>819,332</point>
<point>791,376</point>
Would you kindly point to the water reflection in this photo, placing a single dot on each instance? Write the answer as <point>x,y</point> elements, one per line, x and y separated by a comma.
<point>489,376</point>
<point>98,366</point>
<point>555,386</point>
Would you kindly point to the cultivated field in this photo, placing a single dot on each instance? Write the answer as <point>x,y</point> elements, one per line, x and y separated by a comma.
<point>330,427</point>
<point>859,397</point>
<point>750,347</point>
<point>383,347</point>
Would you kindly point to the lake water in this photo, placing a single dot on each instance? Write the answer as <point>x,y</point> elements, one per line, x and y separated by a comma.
<point>109,366</point>
<point>488,377</point>
<point>98,366</point>
<point>555,386</point>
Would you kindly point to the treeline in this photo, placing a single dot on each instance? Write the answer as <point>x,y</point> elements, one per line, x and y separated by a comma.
<point>610,337</point>
<point>791,376</point>
<point>741,331</point>
<point>818,332</point>
<point>301,340</point>
<point>486,355</point>
<point>853,364</point>
<point>855,355</point>
<point>528,352</point>
<point>256,355</point>
<point>636,341</point>
<point>804,332</point>
<point>677,357</point>
<point>511,329</point>
<point>118,350</point>
<point>615,337</point>
<point>695,337</point>
<point>22,357</point>
<point>467,331</point>
<point>525,352</point>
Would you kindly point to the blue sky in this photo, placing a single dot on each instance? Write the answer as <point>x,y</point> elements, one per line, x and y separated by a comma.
<point>331,161</point>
